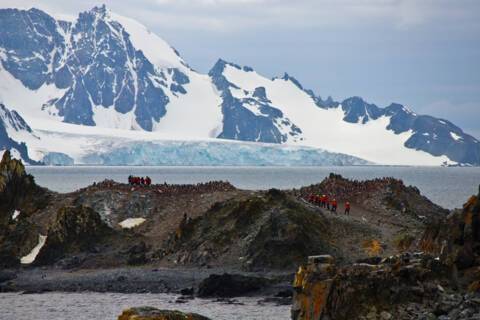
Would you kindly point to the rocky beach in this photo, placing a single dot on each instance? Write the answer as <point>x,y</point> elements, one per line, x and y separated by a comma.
<point>396,255</point>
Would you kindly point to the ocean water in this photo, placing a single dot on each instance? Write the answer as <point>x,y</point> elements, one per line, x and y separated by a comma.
<point>108,306</point>
<point>448,187</point>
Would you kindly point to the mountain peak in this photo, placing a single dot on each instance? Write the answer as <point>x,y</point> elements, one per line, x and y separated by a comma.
<point>288,77</point>
<point>219,67</point>
<point>100,10</point>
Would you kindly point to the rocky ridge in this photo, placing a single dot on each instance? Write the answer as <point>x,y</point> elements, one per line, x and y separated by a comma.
<point>208,225</point>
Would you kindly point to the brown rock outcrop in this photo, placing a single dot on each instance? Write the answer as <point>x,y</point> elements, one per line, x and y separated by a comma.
<point>75,229</point>
<point>18,192</point>
<point>396,286</point>
<point>149,313</point>
<point>456,239</point>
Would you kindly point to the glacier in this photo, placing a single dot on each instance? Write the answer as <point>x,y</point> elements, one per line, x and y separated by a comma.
<point>215,153</point>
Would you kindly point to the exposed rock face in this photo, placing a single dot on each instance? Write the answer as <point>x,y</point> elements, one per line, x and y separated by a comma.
<point>11,121</point>
<point>230,285</point>
<point>149,313</point>
<point>18,192</point>
<point>457,238</point>
<point>70,56</point>
<point>407,287</point>
<point>76,229</point>
<point>16,240</point>
<point>272,230</point>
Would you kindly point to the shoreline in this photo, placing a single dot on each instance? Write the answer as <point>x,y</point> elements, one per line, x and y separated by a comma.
<point>183,283</point>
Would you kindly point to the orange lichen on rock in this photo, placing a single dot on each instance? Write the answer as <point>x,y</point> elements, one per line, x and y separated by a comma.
<point>149,313</point>
<point>372,247</point>
<point>318,298</point>
<point>312,287</point>
<point>299,276</point>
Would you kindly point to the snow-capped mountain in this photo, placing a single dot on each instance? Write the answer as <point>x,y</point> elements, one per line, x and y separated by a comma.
<point>13,129</point>
<point>295,115</point>
<point>100,70</point>
<point>104,75</point>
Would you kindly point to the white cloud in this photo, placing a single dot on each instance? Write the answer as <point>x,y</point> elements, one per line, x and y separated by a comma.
<point>224,15</point>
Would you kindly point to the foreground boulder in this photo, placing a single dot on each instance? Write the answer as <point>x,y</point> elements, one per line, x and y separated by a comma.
<point>149,313</point>
<point>400,287</point>
<point>230,285</point>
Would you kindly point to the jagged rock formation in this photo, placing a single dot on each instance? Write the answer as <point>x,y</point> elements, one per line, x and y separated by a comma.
<point>456,240</point>
<point>18,190</point>
<point>18,193</point>
<point>149,313</point>
<point>75,229</point>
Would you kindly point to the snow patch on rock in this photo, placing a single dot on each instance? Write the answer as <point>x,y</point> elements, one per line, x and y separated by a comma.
<point>29,258</point>
<point>15,214</point>
<point>131,223</point>
<point>455,136</point>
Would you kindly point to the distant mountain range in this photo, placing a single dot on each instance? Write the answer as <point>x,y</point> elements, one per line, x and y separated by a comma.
<point>74,91</point>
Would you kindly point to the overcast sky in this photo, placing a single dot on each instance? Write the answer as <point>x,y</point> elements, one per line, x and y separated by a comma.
<point>422,53</point>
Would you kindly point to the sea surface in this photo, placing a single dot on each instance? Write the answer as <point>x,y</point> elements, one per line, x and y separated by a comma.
<point>448,187</point>
<point>108,306</point>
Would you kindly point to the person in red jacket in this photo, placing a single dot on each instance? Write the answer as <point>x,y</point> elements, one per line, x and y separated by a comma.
<point>347,208</point>
<point>334,205</point>
<point>148,181</point>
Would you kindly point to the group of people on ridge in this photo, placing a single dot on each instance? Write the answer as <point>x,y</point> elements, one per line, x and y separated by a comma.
<point>139,181</point>
<point>324,201</point>
<point>212,186</point>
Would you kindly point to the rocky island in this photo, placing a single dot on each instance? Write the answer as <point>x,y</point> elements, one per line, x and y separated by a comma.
<point>396,255</point>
